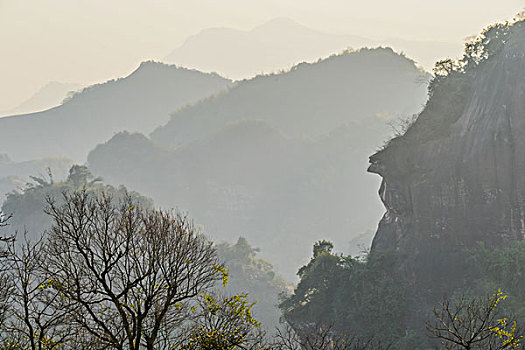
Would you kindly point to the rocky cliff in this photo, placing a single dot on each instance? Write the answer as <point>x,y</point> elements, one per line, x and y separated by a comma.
<point>457,176</point>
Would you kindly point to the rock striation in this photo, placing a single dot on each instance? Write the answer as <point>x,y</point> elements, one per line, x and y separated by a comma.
<point>457,176</point>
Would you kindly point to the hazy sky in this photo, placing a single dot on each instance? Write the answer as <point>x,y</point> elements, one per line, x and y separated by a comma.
<point>89,41</point>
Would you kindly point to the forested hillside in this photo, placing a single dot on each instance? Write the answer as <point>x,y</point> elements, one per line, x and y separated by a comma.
<point>311,99</point>
<point>138,102</point>
<point>14,176</point>
<point>279,159</point>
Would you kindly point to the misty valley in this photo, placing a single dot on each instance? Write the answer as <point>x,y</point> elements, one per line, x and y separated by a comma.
<point>352,199</point>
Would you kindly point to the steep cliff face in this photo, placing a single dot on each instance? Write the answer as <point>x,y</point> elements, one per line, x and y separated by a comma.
<point>457,175</point>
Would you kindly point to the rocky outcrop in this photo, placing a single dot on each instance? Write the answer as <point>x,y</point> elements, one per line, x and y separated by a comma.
<point>457,176</point>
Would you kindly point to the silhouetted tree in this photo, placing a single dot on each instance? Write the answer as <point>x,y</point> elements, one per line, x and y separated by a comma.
<point>38,317</point>
<point>5,282</point>
<point>128,273</point>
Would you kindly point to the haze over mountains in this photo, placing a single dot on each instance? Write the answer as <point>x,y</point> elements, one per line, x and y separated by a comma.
<point>14,176</point>
<point>279,159</point>
<point>311,99</point>
<point>279,187</point>
<point>281,43</point>
<point>138,102</point>
<point>273,158</point>
<point>273,46</point>
<point>50,95</point>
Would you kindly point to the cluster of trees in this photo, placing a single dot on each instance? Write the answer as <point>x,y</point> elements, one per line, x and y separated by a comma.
<point>363,298</point>
<point>452,84</point>
<point>478,50</point>
<point>248,273</point>
<point>256,277</point>
<point>115,275</point>
<point>112,274</point>
<point>27,205</point>
<point>358,296</point>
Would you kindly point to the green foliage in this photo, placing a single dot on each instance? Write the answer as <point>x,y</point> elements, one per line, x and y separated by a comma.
<point>223,323</point>
<point>478,50</point>
<point>322,247</point>
<point>502,268</point>
<point>359,297</point>
<point>452,85</point>
<point>254,276</point>
<point>27,207</point>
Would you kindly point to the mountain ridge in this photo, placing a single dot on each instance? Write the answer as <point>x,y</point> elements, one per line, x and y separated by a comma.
<point>279,159</point>
<point>281,43</point>
<point>138,102</point>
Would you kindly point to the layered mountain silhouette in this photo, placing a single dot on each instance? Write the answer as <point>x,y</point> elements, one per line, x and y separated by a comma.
<point>310,99</point>
<point>138,102</point>
<point>49,96</point>
<point>279,159</point>
<point>281,43</point>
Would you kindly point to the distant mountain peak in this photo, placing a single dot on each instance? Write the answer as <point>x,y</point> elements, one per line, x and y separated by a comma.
<point>50,95</point>
<point>281,43</point>
<point>138,102</point>
<point>274,45</point>
<point>152,67</point>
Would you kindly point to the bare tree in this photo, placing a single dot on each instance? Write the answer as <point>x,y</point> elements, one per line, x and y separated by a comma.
<point>128,273</point>
<point>38,317</point>
<point>474,324</point>
<point>5,282</point>
<point>5,239</point>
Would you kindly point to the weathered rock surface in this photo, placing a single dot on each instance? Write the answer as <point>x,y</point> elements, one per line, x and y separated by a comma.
<point>457,176</point>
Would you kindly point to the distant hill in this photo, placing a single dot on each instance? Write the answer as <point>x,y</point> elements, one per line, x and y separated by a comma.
<point>281,43</point>
<point>249,179</point>
<point>310,99</point>
<point>279,159</point>
<point>275,45</point>
<point>138,102</point>
<point>50,95</point>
